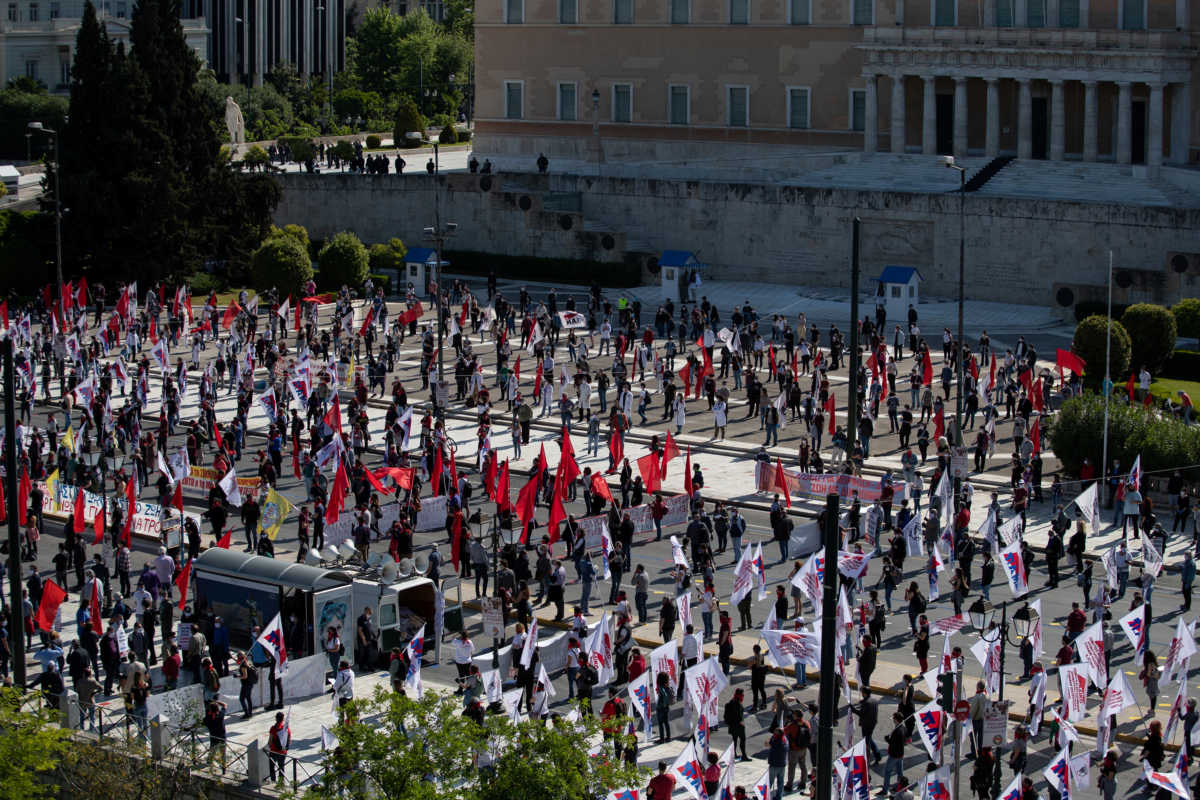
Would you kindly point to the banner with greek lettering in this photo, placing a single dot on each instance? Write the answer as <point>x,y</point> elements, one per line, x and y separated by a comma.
<point>820,485</point>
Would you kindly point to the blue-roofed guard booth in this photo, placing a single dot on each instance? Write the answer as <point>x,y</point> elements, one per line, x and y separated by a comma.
<point>898,287</point>
<point>419,265</point>
<point>678,268</point>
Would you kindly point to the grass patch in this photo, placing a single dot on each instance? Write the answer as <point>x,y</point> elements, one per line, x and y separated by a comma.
<point>1162,387</point>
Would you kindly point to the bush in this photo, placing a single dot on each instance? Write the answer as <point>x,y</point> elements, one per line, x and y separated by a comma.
<point>1087,308</point>
<point>464,136</point>
<point>382,281</point>
<point>1152,333</point>
<point>203,284</point>
<point>280,262</point>
<point>1089,344</point>
<point>408,118</point>
<point>300,146</point>
<point>256,156</point>
<point>343,262</point>
<point>1077,432</point>
<point>448,136</point>
<point>297,232</point>
<point>373,141</point>
<point>557,270</point>
<point>388,255</point>
<point>1187,317</point>
<point>344,151</point>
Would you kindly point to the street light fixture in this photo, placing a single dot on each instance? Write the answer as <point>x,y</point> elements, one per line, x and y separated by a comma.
<point>949,163</point>
<point>53,134</point>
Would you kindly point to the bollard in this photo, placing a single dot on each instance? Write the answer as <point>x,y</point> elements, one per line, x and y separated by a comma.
<point>160,737</point>
<point>68,704</point>
<point>256,764</point>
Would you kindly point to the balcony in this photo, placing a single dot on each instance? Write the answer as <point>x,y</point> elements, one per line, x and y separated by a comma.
<point>1041,38</point>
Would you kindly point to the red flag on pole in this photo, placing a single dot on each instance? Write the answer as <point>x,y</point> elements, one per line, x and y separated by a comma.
<point>687,475</point>
<point>130,507</point>
<point>435,477</point>
<point>526,504</point>
<point>781,483</point>
<point>94,609</point>
<point>333,417</point>
<point>80,502</point>
<point>373,479</point>
<point>226,540</point>
<point>648,466</point>
<point>600,487</point>
<point>81,296</point>
<point>456,539</point>
<point>185,578</point>
<point>231,313</point>
<point>296,459</point>
<point>23,490</point>
<point>685,377</point>
<point>616,449</point>
<point>337,495</point>
<point>1036,436</point>
<point>926,368</point>
<point>537,382</point>
<point>831,410</point>
<point>52,597</point>
<point>670,450</point>
<point>771,356</point>
<point>453,474</point>
<point>98,526</point>
<point>177,500</point>
<point>502,489</point>
<point>939,423</point>
<point>1065,359</point>
<point>1129,384</point>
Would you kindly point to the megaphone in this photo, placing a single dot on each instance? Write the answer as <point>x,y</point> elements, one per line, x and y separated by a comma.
<point>389,570</point>
<point>330,553</point>
<point>374,560</point>
<point>348,550</point>
<point>312,557</point>
<point>405,567</point>
<point>421,563</point>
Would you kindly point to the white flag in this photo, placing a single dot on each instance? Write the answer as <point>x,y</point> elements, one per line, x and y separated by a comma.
<point>1183,647</point>
<point>530,644</point>
<point>1091,650</point>
<point>416,651</point>
<point>743,577</point>
<point>1014,569</point>
<point>642,698</point>
<point>665,658</point>
<point>229,485</point>
<point>677,555</point>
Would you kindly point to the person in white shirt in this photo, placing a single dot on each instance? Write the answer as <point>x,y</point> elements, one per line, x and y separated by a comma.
<point>463,651</point>
<point>343,685</point>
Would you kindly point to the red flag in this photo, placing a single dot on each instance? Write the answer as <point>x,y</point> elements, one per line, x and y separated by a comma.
<point>926,368</point>
<point>687,475</point>
<point>974,367</point>
<point>558,512</point>
<point>23,490</point>
<point>502,490</point>
<point>1036,436</point>
<point>231,313</point>
<point>453,473</point>
<point>130,506</point>
<point>1129,384</point>
<point>685,377</point>
<point>1149,401</point>
<point>537,381</point>
<point>98,526</point>
<point>781,483</point>
<point>648,466</point>
<point>52,597</point>
<point>367,322</point>
<point>185,578</point>
<point>48,296</point>
<point>517,370</point>
<point>337,495</point>
<point>296,314</point>
<point>177,500</point>
<point>226,540</point>
<point>771,356</point>
<point>296,459</point>
<point>82,294</point>
<point>1025,377</point>
<point>796,364</point>
<point>670,450</point>
<point>526,504</point>
<point>616,449</point>
<point>939,423</point>
<point>435,477</point>
<point>80,502</point>
<point>456,539</point>
<point>68,297</point>
<point>992,376</point>
<point>373,479</point>
<point>4,313</point>
<point>831,410</point>
<point>333,417</point>
<point>187,306</point>
<point>1037,395</point>
<point>94,609</point>
<point>491,470</point>
<point>403,476</point>
<point>1065,359</point>
<point>153,331</point>
<point>600,487</point>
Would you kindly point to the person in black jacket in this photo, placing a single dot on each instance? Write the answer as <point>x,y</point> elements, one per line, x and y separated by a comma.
<point>735,715</point>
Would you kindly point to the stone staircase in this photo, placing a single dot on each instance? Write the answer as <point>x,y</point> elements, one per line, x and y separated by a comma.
<point>1086,182</point>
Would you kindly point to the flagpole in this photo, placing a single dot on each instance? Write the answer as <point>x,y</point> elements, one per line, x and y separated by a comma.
<point>1107,377</point>
<point>16,607</point>
<point>828,688</point>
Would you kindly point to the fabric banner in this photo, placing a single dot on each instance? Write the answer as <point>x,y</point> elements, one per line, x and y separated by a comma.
<point>643,522</point>
<point>815,485</point>
<point>205,478</point>
<point>147,518</point>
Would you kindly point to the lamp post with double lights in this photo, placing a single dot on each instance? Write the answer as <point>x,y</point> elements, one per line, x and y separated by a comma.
<point>982,615</point>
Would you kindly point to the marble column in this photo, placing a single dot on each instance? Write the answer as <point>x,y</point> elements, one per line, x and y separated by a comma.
<point>1058,122</point>
<point>1083,14</point>
<point>992,147</point>
<point>231,40</point>
<point>1020,16</point>
<point>960,117</point>
<point>1124,122</point>
<point>871,118</point>
<point>1181,116</point>
<point>929,117</point>
<point>1090,122</point>
<point>989,13</point>
<point>260,42</point>
<point>1024,120</point>
<point>898,113</point>
<point>1183,14</point>
<point>1051,13</point>
<point>1154,149</point>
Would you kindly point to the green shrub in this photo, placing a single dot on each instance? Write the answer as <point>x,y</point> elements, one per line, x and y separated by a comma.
<point>464,136</point>
<point>281,262</point>
<point>448,136</point>
<point>256,156</point>
<point>343,262</point>
<point>1077,432</point>
<point>1089,344</point>
<point>1152,334</point>
<point>389,255</point>
<point>373,141</point>
<point>344,151</point>
<point>203,284</point>
<point>557,270</point>
<point>1187,317</point>
<point>297,232</point>
<point>301,147</point>
<point>441,121</point>
<point>408,118</point>
<point>382,281</point>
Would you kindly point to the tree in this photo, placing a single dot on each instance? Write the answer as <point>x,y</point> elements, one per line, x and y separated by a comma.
<point>31,747</point>
<point>408,119</point>
<point>281,262</point>
<point>344,152</point>
<point>343,261</point>
<point>1076,432</point>
<point>374,53</point>
<point>1152,334</point>
<point>390,255</point>
<point>426,749</point>
<point>1187,317</point>
<point>256,157</point>
<point>17,110</point>
<point>1090,344</point>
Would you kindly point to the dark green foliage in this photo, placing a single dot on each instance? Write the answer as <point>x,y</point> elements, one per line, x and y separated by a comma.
<point>389,255</point>
<point>373,141</point>
<point>17,109</point>
<point>1187,317</point>
<point>1152,334</point>
<point>1087,308</point>
<point>343,262</point>
<point>408,119</point>
<point>448,136</point>
<point>1089,344</point>
<point>464,136</point>
<point>301,147</point>
<point>558,270</point>
<point>1077,430</point>
<point>281,262</point>
<point>26,251</point>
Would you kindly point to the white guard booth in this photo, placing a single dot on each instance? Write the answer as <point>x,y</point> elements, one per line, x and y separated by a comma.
<point>898,287</point>
<point>419,267</point>
<point>675,268</point>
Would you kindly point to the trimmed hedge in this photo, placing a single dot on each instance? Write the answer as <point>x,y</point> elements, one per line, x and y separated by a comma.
<point>464,136</point>
<point>373,141</point>
<point>343,262</point>
<point>553,270</point>
<point>1077,432</point>
<point>1091,342</point>
<point>1152,332</point>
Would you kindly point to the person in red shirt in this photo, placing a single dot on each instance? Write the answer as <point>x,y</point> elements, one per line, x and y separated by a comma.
<point>277,745</point>
<point>1066,653</point>
<point>712,775</point>
<point>1076,622</point>
<point>661,785</point>
<point>637,665</point>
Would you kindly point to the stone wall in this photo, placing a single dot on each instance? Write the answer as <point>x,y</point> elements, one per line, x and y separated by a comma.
<point>1017,250</point>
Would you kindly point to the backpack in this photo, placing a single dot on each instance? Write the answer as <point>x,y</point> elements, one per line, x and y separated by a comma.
<point>251,674</point>
<point>803,736</point>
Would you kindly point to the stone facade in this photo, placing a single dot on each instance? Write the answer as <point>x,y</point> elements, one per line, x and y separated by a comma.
<point>1017,250</point>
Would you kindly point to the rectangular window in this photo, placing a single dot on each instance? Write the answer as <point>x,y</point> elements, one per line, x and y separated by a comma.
<point>34,14</point>
<point>1133,15</point>
<point>64,72</point>
<point>12,12</point>
<point>1004,13</point>
<point>514,100</point>
<point>1035,13</point>
<point>1068,13</point>
<point>737,99</point>
<point>858,109</point>
<point>864,12</point>
<point>566,102</point>
<point>739,12</point>
<point>801,12</point>
<point>568,12</point>
<point>680,12</point>
<point>623,12</point>
<point>678,100</point>
<point>622,102</point>
<point>120,11</point>
<point>55,10</point>
<point>31,69</point>
<point>514,12</point>
<point>944,13</point>
<point>797,107</point>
